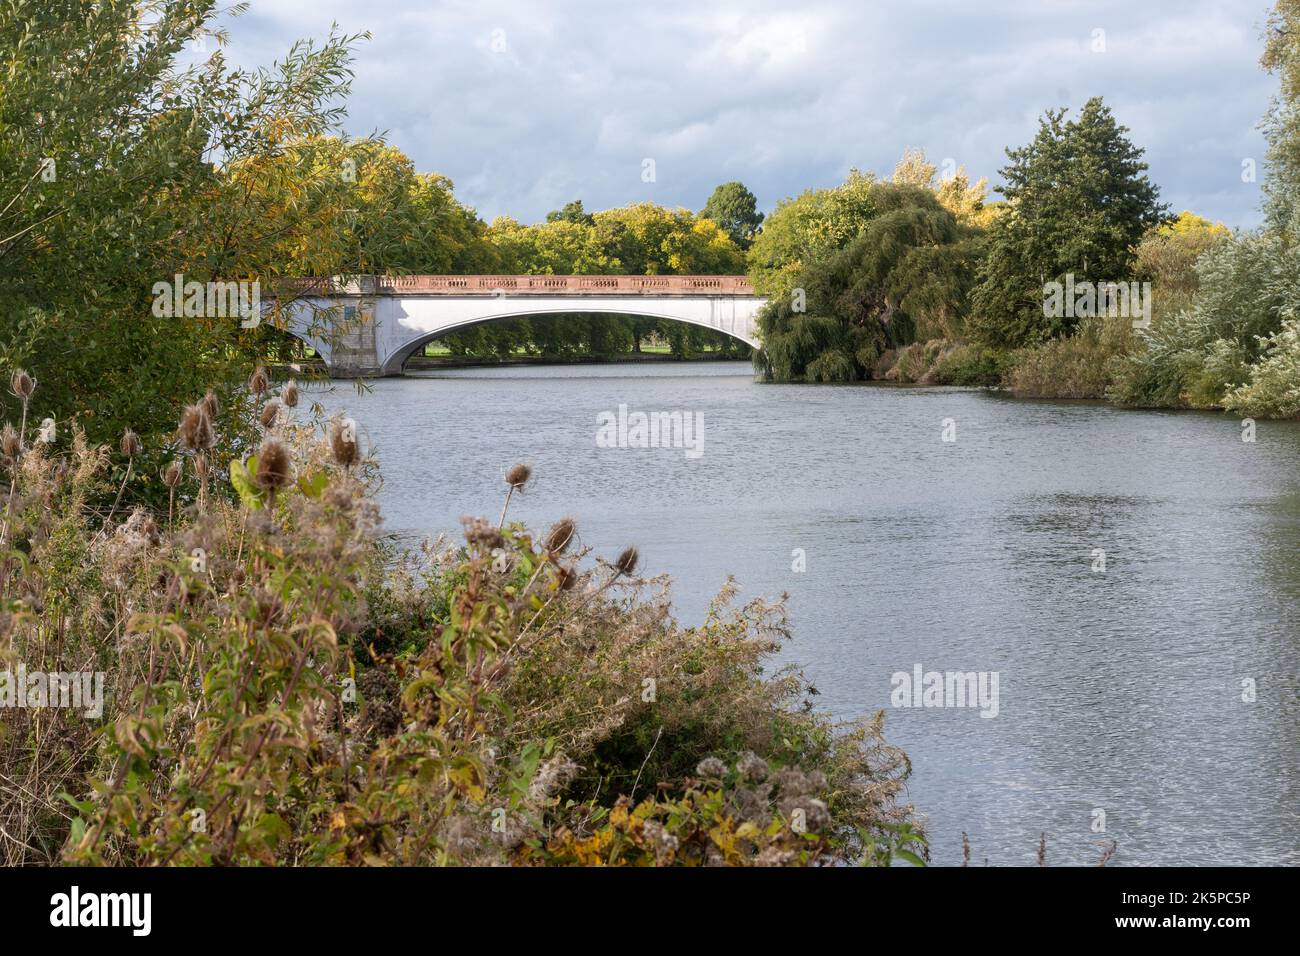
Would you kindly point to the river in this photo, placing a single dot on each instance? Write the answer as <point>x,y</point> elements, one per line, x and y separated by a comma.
<point>1118,690</point>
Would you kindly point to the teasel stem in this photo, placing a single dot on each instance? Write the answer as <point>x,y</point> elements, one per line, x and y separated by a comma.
<point>130,447</point>
<point>130,463</point>
<point>516,477</point>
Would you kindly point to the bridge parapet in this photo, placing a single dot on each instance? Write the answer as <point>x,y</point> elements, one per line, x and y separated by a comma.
<point>497,285</point>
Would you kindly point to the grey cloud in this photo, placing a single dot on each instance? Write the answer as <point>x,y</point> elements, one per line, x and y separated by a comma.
<point>781,96</point>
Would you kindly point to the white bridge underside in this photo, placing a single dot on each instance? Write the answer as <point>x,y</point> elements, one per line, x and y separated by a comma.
<point>382,331</point>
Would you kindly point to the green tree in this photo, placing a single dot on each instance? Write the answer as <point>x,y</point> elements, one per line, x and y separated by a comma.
<point>907,271</point>
<point>735,209</point>
<point>572,212</point>
<point>810,226</point>
<point>120,169</point>
<point>1078,201</point>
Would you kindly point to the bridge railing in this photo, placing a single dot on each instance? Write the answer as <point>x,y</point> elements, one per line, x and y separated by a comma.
<point>523,285</point>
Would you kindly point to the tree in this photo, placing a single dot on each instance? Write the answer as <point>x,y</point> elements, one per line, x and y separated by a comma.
<point>906,272</point>
<point>1167,257</point>
<point>1078,200</point>
<point>572,212</point>
<point>914,169</point>
<point>810,226</point>
<point>120,170</point>
<point>1282,123</point>
<point>735,209</point>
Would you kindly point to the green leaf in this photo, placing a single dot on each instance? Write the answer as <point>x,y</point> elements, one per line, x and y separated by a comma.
<point>313,485</point>
<point>243,478</point>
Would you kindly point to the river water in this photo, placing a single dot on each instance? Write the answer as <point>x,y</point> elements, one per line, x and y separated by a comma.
<point>1118,690</point>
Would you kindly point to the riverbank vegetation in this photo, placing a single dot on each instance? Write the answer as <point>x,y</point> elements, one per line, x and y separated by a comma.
<point>862,291</point>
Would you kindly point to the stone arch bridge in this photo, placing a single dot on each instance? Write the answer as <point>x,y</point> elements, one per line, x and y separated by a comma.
<point>370,325</point>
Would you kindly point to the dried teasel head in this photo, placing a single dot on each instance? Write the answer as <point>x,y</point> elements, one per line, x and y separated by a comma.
<point>196,428</point>
<point>627,561</point>
<point>22,384</point>
<point>130,444</point>
<point>274,465</point>
<point>289,394</point>
<point>343,442</point>
<point>518,476</point>
<point>172,474</point>
<point>560,535</point>
<point>211,405</point>
<point>9,442</point>
<point>270,413</point>
<point>259,382</point>
<point>565,577</point>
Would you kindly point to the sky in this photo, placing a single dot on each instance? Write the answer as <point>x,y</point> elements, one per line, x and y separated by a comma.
<point>528,105</point>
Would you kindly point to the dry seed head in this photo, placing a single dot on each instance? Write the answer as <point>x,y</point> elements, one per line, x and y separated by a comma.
<point>210,405</point>
<point>343,441</point>
<point>259,382</point>
<point>560,535</point>
<point>627,561</point>
<point>273,464</point>
<point>9,443</point>
<point>270,413</point>
<point>172,474</point>
<point>130,444</point>
<point>289,395</point>
<point>518,475</point>
<point>196,428</point>
<point>22,384</point>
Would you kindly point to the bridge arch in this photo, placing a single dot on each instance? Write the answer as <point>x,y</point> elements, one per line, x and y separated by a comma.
<point>396,362</point>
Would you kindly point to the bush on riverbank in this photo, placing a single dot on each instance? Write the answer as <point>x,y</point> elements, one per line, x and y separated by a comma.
<point>1079,366</point>
<point>279,690</point>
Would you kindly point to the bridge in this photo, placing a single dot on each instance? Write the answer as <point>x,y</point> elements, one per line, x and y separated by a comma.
<point>370,325</point>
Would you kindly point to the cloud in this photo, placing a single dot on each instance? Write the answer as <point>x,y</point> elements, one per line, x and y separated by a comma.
<point>527,106</point>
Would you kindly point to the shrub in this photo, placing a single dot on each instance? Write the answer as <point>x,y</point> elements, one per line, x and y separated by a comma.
<point>970,364</point>
<point>1078,366</point>
<point>1196,356</point>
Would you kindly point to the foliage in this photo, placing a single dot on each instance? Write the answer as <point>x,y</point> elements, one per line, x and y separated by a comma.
<point>121,169</point>
<point>1273,389</point>
<point>1167,256</point>
<point>970,364</point>
<point>735,209</point>
<point>1078,200</point>
<point>905,275</point>
<point>1282,123</point>
<point>954,190</point>
<point>811,226</point>
<point>1077,366</point>
<point>1192,358</point>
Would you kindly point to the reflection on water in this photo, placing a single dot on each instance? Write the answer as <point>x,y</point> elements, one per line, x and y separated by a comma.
<point>1118,690</point>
